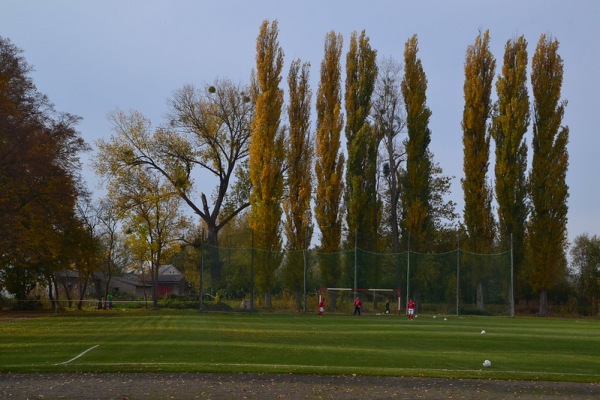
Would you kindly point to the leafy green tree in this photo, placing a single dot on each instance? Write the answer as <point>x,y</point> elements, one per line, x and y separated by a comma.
<point>478,218</point>
<point>585,262</point>
<point>417,216</point>
<point>299,156</point>
<point>509,126</point>
<point>363,214</point>
<point>212,132</point>
<point>267,157</point>
<point>547,178</point>
<point>329,164</point>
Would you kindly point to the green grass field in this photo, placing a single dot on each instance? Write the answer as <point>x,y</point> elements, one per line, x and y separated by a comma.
<point>168,341</point>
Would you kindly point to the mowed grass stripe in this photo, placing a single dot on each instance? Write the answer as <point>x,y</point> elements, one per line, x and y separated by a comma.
<point>532,348</point>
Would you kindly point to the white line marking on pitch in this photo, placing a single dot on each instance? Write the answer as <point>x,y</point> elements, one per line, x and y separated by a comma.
<point>76,357</point>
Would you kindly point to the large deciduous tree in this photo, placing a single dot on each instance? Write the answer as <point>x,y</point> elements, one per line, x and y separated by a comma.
<point>267,157</point>
<point>329,165</point>
<point>417,216</point>
<point>478,218</point>
<point>389,119</point>
<point>299,156</point>
<point>39,177</point>
<point>547,179</point>
<point>209,132</point>
<point>509,126</point>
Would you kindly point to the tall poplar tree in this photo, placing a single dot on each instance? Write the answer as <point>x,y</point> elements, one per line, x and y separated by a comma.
<point>266,157</point>
<point>417,218</point>
<point>509,125</point>
<point>299,156</point>
<point>479,221</point>
<point>548,187</point>
<point>329,164</point>
<point>363,206</point>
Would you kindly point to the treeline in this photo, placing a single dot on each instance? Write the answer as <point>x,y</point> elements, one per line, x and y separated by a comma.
<point>278,168</point>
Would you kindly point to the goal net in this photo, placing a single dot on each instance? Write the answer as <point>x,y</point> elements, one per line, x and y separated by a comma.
<point>375,301</point>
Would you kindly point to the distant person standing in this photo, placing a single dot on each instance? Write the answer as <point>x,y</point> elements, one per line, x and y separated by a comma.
<point>410,309</point>
<point>387,306</point>
<point>357,305</point>
<point>109,298</point>
<point>321,307</point>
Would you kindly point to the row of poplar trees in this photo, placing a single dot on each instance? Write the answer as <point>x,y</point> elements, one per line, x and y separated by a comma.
<point>532,208</point>
<point>281,165</point>
<point>386,194</point>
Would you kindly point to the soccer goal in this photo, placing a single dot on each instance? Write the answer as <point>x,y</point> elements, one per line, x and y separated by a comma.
<point>376,301</point>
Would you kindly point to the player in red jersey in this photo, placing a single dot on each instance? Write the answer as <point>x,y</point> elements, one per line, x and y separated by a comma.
<point>357,305</point>
<point>410,309</point>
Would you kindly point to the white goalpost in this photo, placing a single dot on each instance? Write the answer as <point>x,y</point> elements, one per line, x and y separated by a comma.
<point>372,294</point>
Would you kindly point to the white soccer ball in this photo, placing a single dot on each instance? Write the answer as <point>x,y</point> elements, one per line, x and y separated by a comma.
<point>445,319</point>
<point>434,316</point>
<point>487,363</point>
<point>482,332</point>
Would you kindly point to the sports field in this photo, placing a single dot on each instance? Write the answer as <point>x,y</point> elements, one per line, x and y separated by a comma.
<point>542,349</point>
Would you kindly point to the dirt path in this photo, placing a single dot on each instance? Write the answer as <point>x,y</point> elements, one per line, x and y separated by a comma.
<point>269,386</point>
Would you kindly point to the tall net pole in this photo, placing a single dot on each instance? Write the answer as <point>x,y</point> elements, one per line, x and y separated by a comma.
<point>355,260</point>
<point>304,259</point>
<point>252,270</point>
<point>457,273</point>
<point>512,281</point>
<point>408,270</point>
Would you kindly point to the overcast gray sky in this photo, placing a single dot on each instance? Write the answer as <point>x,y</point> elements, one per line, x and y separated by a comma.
<point>92,57</point>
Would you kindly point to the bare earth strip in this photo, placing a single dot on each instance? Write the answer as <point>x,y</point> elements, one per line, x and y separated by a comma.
<point>270,386</point>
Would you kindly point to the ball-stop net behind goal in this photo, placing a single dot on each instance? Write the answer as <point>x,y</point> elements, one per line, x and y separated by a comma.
<point>377,301</point>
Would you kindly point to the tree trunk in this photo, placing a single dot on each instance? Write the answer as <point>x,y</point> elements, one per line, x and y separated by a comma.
<point>268,303</point>
<point>82,289</point>
<point>214,261</point>
<point>299,298</point>
<point>543,303</point>
<point>480,304</point>
<point>65,286</point>
<point>53,297</point>
<point>154,286</point>
<point>98,288</point>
